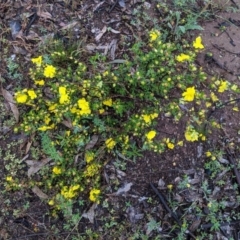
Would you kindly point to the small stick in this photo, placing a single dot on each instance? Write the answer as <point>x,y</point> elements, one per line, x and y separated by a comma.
<point>209,225</point>
<point>168,209</point>
<point>233,162</point>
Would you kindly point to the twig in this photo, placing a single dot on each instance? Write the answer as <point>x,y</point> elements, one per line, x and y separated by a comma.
<point>73,229</point>
<point>168,209</point>
<point>40,234</point>
<point>222,105</point>
<point>209,225</point>
<point>234,3</point>
<point>224,49</point>
<point>233,162</point>
<point>113,6</point>
<point>31,21</point>
<point>231,40</point>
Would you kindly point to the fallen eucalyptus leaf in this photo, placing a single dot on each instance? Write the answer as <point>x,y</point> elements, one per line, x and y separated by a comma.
<point>120,174</point>
<point>122,190</point>
<point>90,214</point>
<point>133,214</point>
<point>39,192</point>
<point>9,98</point>
<point>122,3</point>
<point>67,123</point>
<point>98,37</point>
<point>92,142</point>
<point>69,25</point>
<point>90,47</point>
<point>114,31</point>
<point>161,184</point>
<point>35,166</point>
<point>113,46</point>
<point>45,15</point>
<point>29,144</point>
<point>223,160</point>
<point>98,6</point>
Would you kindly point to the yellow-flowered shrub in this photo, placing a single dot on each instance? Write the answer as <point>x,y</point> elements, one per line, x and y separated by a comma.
<point>83,113</point>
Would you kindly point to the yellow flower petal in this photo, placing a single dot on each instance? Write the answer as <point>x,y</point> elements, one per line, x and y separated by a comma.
<point>198,43</point>
<point>150,135</point>
<point>189,94</point>
<point>49,71</point>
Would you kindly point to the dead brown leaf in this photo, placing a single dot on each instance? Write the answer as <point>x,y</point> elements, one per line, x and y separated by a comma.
<point>98,37</point>
<point>10,100</point>
<point>92,142</point>
<point>90,214</point>
<point>67,123</point>
<point>32,36</point>
<point>69,25</point>
<point>29,144</point>
<point>35,166</point>
<point>122,190</point>
<point>39,192</point>
<point>45,15</point>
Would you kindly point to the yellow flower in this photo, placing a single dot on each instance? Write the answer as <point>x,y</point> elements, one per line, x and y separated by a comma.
<point>52,107</point>
<point>180,143</point>
<point>75,187</point>
<point>234,87</point>
<point>191,134</point>
<point>213,97</point>
<point>64,98</point>
<point>203,137</point>
<point>45,128</point>
<point>37,61</point>
<point>49,71</point>
<point>31,94</point>
<point>21,97</point>
<point>170,187</point>
<point>68,133</point>
<point>57,170</point>
<point>150,135</point>
<point>208,154</point>
<point>198,43</point>
<point>110,143</point>
<point>108,102</point>
<point>39,82</point>
<point>70,192</point>
<point>101,111</point>
<point>91,170</point>
<point>9,178</point>
<point>154,34</point>
<point>154,115</point>
<point>183,57</point>
<point>189,94</point>
<point>94,195</point>
<point>84,106</point>
<point>223,86</point>
<point>147,118</point>
<point>208,104</point>
<point>89,156</point>
<point>105,73</point>
<point>51,202</point>
<point>47,119</point>
<point>169,144</point>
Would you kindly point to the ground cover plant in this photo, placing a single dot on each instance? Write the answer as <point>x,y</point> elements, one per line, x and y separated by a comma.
<point>83,120</point>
